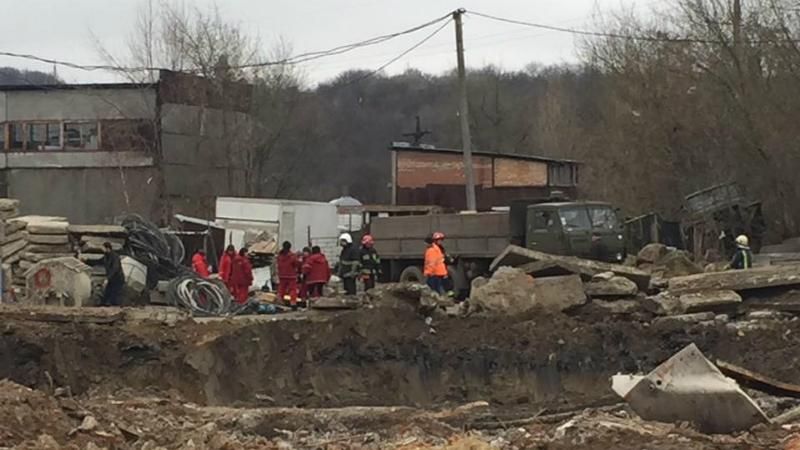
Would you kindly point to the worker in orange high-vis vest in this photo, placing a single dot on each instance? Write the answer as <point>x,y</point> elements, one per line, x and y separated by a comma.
<point>435,270</point>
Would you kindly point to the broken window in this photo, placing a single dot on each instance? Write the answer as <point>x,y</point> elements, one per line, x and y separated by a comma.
<point>81,136</point>
<point>2,136</point>
<point>16,135</point>
<point>129,135</point>
<point>604,218</point>
<point>563,174</point>
<point>574,219</point>
<point>44,136</point>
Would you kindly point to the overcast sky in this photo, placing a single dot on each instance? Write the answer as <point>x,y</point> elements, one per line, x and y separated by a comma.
<point>64,30</point>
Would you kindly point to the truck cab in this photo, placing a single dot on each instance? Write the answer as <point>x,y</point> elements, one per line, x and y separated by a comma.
<point>584,229</point>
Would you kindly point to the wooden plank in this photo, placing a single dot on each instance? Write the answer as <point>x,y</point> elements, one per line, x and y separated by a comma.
<point>758,381</point>
<point>737,280</point>
<point>516,256</point>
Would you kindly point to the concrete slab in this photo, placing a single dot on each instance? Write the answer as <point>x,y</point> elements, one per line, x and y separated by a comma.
<point>559,293</point>
<point>708,300</point>
<point>737,280</point>
<point>614,287</point>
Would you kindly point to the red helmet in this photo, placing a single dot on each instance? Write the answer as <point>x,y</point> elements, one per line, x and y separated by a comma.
<point>438,236</point>
<point>367,239</point>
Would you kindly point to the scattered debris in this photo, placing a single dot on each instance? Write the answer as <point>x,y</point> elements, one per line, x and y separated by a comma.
<point>737,280</point>
<point>514,256</point>
<point>758,381</point>
<point>688,387</point>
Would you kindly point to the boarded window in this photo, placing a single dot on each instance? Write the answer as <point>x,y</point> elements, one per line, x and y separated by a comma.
<point>16,135</point>
<point>81,136</point>
<point>44,136</point>
<point>563,174</point>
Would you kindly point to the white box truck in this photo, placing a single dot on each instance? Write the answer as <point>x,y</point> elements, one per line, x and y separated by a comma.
<point>302,223</point>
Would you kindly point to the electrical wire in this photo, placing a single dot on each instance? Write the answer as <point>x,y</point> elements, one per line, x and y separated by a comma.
<point>292,60</point>
<point>630,37</point>
<point>203,297</point>
<point>398,57</point>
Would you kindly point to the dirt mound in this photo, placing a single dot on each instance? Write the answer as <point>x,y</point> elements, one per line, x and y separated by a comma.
<point>24,412</point>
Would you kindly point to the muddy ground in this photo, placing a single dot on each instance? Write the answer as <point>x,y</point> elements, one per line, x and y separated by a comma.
<point>228,384</point>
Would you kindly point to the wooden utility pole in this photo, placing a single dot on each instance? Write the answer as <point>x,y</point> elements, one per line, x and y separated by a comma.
<point>463,113</point>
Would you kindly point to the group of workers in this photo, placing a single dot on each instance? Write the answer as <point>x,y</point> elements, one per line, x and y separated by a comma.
<point>304,275</point>
<point>235,270</point>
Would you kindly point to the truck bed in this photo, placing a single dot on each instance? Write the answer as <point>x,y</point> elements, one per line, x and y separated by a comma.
<point>481,235</point>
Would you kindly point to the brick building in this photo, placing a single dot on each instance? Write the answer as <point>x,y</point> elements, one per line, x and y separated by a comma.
<point>92,152</point>
<point>426,175</point>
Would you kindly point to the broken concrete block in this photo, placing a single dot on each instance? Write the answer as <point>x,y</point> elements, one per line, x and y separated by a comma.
<point>7,204</point>
<point>617,307</point>
<point>509,291</point>
<point>684,319</point>
<point>663,304</point>
<point>605,276</point>
<point>478,282</point>
<point>676,263</point>
<point>613,287</point>
<point>651,253</point>
<point>515,256</point>
<point>558,294</point>
<point>737,280</point>
<point>688,387</point>
<point>48,239</point>
<point>708,300</point>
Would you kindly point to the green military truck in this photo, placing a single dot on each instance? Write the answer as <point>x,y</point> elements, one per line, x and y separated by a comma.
<point>585,229</point>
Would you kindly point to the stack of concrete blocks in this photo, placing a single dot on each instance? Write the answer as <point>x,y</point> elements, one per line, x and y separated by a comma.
<point>61,281</point>
<point>88,240</point>
<point>12,246</point>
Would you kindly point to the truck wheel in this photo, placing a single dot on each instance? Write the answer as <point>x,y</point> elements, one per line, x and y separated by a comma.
<point>412,274</point>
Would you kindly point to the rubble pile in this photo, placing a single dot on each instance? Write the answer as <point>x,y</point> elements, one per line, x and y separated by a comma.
<point>666,286</point>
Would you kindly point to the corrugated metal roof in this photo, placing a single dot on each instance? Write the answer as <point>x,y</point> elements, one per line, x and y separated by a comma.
<point>404,146</point>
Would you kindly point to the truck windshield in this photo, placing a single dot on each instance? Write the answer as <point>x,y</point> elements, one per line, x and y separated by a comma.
<point>576,218</point>
<point>603,218</point>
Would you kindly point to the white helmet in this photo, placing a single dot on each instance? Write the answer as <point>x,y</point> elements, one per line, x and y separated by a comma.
<point>346,238</point>
<point>742,240</point>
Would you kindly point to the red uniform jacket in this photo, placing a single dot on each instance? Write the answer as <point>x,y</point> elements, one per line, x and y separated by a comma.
<point>288,265</point>
<point>225,262</point>
<point>200,265</point>
<point>316,269</point>
<point>241,271</point>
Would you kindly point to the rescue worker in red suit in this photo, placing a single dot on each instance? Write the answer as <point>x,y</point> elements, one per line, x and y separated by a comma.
<point>200,263</point>
<point>317,272</point>
<point>225,263</point>
<point>241,276</point>
<point>288,266</point>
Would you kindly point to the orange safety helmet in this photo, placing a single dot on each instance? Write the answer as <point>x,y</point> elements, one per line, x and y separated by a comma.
<point>438,236</point>
<point>367,239</point>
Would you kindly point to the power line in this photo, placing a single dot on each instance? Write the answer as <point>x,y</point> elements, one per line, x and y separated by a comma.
<point>629,37</point>
<point>296,59</point>
<point>401,55</point>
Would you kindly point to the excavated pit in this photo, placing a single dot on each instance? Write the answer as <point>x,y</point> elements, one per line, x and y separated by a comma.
<point>374,357</point>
